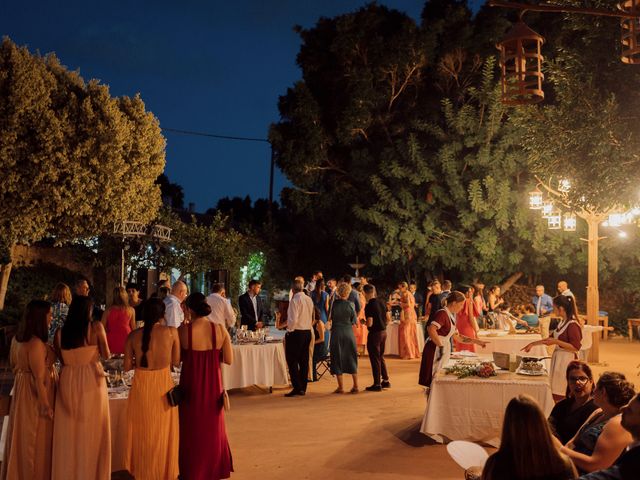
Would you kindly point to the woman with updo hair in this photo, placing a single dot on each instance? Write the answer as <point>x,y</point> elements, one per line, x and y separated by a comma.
<point>437,349</point>
<point>204,448</point>
<point>567,337</point>
<point>602,438</point>
<point>153,435</point>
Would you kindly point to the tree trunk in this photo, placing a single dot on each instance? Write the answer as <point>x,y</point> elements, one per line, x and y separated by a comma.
<point>5,272</point>
<point>510,282</point>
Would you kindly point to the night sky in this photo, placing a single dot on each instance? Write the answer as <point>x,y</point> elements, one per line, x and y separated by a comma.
<point>210,66</point>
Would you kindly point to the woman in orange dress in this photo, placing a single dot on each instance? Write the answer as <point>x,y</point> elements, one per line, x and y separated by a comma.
<point>466,322</point>
<point>152,424</point>
<point>27,454</point>
<point>408,328</point>
<point>360,329</point>
<point>81,425</point>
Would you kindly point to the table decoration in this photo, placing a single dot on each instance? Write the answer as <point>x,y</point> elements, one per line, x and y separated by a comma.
<point>472,369</point>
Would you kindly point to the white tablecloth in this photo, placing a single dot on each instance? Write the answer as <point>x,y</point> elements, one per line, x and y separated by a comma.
<point>392,346</point>
<point>473,408</point>
<point>511,343</point>
<point>118,417</point>
<point>256,365</point>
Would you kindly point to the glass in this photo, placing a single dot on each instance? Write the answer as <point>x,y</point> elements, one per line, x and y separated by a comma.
<point>578,379</point>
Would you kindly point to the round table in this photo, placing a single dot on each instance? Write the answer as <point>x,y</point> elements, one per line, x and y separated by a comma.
<point>392,345</point>
<point>252,364</point>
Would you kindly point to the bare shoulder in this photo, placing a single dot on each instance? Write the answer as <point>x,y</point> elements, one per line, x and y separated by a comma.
<point>98,328</point>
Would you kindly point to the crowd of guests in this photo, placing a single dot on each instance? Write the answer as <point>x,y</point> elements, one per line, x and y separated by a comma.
<point>59,420</point>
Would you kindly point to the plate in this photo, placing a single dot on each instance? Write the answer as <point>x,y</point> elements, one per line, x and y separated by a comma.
<point>467,454</point>
<point>531,373</point>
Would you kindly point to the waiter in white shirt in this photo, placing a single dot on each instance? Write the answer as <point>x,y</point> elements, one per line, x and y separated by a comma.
<point>173,314</point>
<point>221,310</point>
<point>298,339</point>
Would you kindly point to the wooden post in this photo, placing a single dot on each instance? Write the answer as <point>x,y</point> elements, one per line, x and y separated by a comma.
<point>593,294</point>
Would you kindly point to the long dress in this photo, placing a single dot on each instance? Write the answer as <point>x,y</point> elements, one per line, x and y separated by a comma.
<point>408,328</point>
<point>344,353</point>
<point>570,332</point>
<point>360,329</point>
<point>27,453</point>
<point>465,326</point>
<point>152,427</point>
<point>204,449</point>
<point>320,302</point>
<point>118,329</point>
<point>81,426</point>
<point>433,358</point>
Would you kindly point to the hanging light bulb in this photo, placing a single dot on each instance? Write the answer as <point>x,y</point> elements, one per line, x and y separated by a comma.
<point>569,222</point>
<point>535,199</point>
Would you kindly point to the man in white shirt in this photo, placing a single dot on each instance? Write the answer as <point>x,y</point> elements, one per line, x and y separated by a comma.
<point>221,310</point>
<point>173,314</point>
<point>299,321</point>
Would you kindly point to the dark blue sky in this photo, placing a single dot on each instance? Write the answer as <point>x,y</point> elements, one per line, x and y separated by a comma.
<point>213,66</point>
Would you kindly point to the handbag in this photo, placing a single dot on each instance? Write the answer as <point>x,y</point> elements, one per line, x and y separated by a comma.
<point>175,396</point>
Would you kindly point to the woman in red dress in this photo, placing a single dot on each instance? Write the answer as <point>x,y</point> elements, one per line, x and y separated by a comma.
<point>119,321</point>
<point>204,448</point>
<point>466,321</point>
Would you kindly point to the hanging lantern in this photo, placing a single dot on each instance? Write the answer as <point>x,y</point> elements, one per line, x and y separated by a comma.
<point>616,220</point>
<point>630,32</point>
<point>535,199</point>
<point>564,185</point>
<point>569,222</point>
<point>547,209</point>
<point>521,63</point>
<point>554,221</point>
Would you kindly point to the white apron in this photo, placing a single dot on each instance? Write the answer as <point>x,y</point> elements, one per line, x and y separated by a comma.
<point>559,362</point>
<point>443,355</point>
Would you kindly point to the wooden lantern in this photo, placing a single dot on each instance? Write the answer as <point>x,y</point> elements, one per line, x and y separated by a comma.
<point>630,32</point>
<point>536,199</point>
<point>569,222</point>
<point>521,63</point>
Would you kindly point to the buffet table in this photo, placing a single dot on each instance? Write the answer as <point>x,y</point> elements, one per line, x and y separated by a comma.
<point>473,408</point>
<point>392,346</point>
<point>256,365</point>
<point>510,343</point>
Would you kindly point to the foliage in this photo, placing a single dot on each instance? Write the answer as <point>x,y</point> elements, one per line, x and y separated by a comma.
<point>172,193</point>
<point>74,160</point>
<point>465,370</point>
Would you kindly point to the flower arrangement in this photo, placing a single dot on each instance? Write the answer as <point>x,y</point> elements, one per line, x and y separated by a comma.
<point>464,370</point>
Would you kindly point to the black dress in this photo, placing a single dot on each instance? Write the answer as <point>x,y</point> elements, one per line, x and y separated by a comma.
<point>565,423</point>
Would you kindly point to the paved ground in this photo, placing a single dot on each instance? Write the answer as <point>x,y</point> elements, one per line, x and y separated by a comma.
<point>368,435</point>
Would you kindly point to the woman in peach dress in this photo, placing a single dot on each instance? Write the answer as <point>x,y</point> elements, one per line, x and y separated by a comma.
<point>408,328</point>
<point>81,428</point>
<point>360,329</point>
<point>27,453</point>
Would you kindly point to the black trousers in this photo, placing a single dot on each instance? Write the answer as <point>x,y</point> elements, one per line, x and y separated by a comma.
<point>297,353</point>
<point>375,348</point>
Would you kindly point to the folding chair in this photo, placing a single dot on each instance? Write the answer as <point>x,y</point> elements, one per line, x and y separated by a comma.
<point>323,366</point>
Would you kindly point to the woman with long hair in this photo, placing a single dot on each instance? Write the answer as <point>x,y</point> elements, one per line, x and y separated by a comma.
<point>204,448</point>
<point>569,414</point>
<point>344,353</point>
<point>408,328</point>
<point>27,452</point>
<point>81,428</point>
<point>567,337</point>
<point>602,438</point>
<point>152,440</point>
<point>466,322</point>
<point>494,300</point>
<point>119,320</point>
<point>527,448</point>
<point>437,348</point>
<point>60,300</point>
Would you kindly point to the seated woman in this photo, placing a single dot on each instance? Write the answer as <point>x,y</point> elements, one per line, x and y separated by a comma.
<point>320,349</point>
<point>569,414</point>
<point>602,439</point>
<point>529,317</point>
<point>527,448</point>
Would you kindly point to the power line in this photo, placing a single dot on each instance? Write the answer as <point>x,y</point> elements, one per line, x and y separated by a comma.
<point>213,135</point>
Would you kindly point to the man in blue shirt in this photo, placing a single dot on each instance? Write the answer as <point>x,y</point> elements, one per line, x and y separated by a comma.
<point>542,302</point>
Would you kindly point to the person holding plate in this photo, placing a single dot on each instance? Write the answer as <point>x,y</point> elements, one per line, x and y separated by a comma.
<point>567,337</point>
<point>437,349</point>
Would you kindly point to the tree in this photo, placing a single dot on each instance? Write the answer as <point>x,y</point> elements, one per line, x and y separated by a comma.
<point>172,193</point>
<point>73,159</point>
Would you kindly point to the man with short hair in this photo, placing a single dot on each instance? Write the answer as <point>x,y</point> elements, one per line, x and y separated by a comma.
<point>81,287</point>
<point>173,314</point>
<point>542,302</point>
<point>298,339</point>
<point>251,309</point>
<point>134,300</point>
<point>627,466</point>
<point>446,290</point>
<point>377,317</point>
<point>221,310</point>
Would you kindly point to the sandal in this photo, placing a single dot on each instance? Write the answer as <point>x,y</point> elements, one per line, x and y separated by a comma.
<point>338,390</point>
<point>354,390</point>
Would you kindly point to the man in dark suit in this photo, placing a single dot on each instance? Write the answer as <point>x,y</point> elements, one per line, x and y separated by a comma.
<point>627,467</point>
<point>251,308</point>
